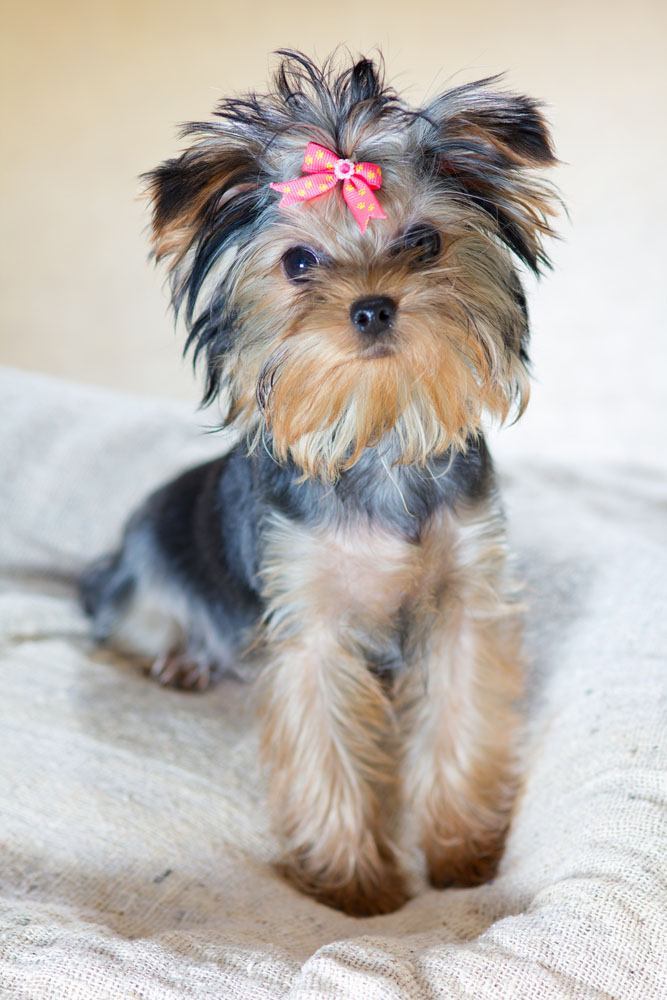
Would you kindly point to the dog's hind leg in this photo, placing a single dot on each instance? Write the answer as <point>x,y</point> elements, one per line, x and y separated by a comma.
<point>174,594</point>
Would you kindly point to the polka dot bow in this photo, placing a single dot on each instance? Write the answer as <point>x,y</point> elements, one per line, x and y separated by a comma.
<point>323,170</point>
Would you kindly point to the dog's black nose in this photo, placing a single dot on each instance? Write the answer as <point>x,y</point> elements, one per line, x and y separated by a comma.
<point>373,315</point>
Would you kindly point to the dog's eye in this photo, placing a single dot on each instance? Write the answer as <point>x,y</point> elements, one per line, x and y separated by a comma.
<point>423,242</point>
<point>298,261</point>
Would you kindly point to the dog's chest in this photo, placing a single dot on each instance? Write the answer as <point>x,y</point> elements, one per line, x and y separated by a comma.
<point>366,551</point>
<point>359,576</point>
<point>366,572</point>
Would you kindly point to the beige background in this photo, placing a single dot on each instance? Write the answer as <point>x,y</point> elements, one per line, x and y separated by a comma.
<point>92,95</point>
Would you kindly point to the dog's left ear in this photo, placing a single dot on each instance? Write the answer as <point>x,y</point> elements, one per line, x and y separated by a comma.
<point>489,142</point>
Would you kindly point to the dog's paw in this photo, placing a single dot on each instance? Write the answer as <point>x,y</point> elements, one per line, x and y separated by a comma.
<point>466,866</point>
<point>385,892</point>
<point>358,900</point>
<point>177,669</point>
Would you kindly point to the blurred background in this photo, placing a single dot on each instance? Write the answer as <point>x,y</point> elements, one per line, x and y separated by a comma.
<point>93,93</point>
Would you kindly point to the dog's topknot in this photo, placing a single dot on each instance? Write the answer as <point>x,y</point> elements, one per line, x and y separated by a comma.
<point>305,94</point>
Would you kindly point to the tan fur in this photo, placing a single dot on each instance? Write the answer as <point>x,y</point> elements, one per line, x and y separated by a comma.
<point>328,725</point>
<point>458,700</point>
<point>330,738</point>
<point>174,233</point>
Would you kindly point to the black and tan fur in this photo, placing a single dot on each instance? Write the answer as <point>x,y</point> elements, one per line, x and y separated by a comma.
<point>352,542</point>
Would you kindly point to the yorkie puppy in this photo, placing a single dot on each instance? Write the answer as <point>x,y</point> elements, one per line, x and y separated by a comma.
<point>347,267</point>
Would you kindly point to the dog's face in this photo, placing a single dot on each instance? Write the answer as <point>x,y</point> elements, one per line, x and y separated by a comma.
<point>330,337</point>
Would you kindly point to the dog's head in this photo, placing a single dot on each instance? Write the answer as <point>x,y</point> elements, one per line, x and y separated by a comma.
<point>327,333</point>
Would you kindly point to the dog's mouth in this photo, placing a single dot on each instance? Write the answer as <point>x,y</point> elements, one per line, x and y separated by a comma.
<point>376,351</point>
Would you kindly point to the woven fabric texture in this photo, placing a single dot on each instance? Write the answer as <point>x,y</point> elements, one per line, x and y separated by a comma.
<point>136,852</point>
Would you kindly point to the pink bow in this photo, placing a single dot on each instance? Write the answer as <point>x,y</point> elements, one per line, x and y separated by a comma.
<point>323,170</point>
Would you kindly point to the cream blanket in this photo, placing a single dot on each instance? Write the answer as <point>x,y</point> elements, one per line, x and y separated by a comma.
<point>135,853</point>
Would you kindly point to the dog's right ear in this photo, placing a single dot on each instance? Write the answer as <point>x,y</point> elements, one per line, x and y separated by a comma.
<point>205,202</point>
<point>202,201</point>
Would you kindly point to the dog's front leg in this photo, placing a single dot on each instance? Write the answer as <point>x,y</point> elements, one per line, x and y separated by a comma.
<point>459,702</point>
<point>327,730</point>
<point>325,726</point>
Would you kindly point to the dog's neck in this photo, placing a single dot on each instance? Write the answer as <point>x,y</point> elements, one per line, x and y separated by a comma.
<point>376,489</point>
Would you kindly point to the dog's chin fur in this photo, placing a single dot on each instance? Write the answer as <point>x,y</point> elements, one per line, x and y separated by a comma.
<point>359,551</point>
<point>323,417</point>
